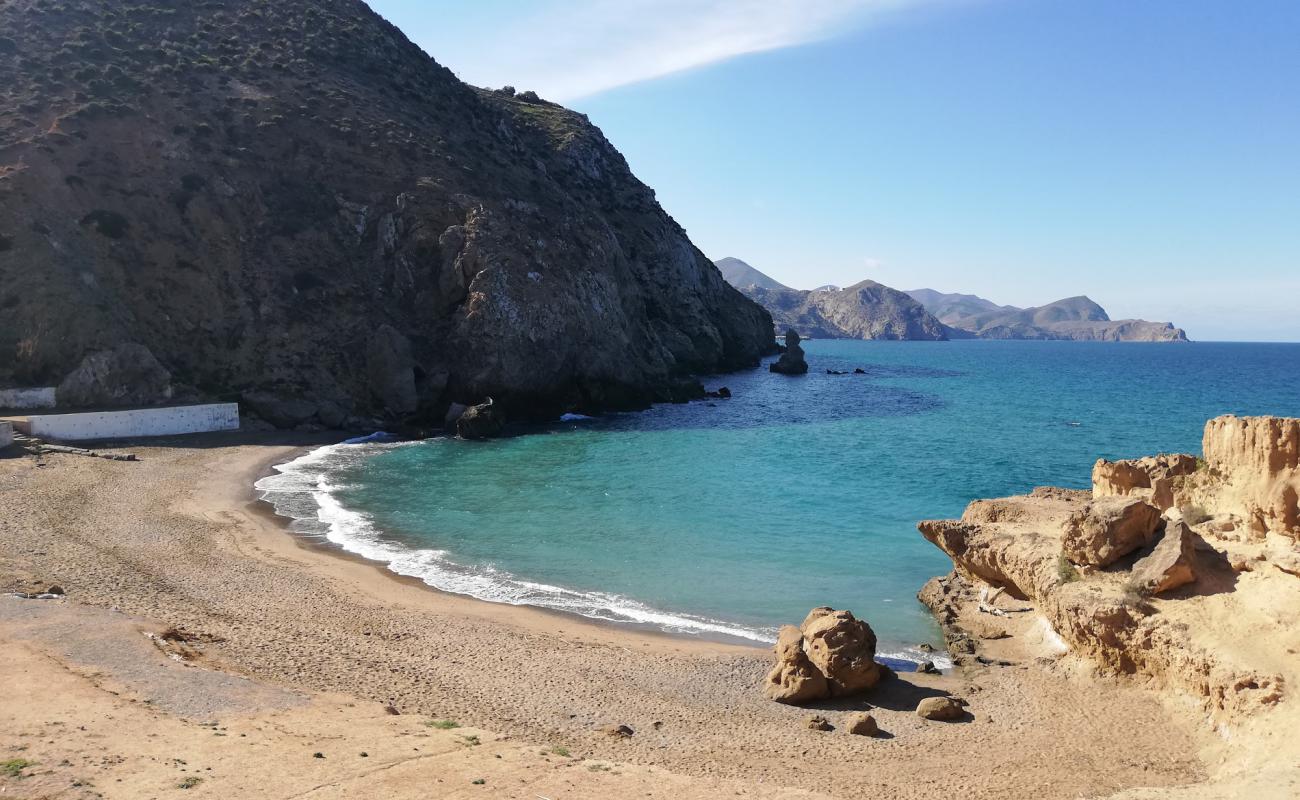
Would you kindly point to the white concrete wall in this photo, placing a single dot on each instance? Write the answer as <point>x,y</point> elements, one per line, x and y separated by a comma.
<point>6,435</point>
<point>28,398</point>
<point>133,423</point>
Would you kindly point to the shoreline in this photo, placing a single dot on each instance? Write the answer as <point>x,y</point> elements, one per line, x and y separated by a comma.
<point>178,541</point>
<point>283,523</point>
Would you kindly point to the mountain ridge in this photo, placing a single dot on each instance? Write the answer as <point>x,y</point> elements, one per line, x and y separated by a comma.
<point>1077,318</point>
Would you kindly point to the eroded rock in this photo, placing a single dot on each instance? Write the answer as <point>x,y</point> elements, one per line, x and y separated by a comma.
<point>832,654</point>
<point>794,679</point>
<point>792,360</point>
<point>1108,529</point>
<point>843,648</point>
<point>1171,564</point>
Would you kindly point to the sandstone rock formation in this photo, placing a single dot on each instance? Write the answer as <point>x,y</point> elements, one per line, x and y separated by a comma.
<point>1106,529</point>
<point>1076,318</point>
<point>792,360</point>
<point>831,655</point>
<point>1254,473</point>
<point>1228,543</point>
<point>1172,563</point>
<point>126,375</point>
<point>1150,477</point>
<point>263,193</point>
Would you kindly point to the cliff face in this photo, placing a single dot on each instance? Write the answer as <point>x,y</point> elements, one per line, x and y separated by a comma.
<point>290,200</point>
<point>1074,318</point>
<point>1186,569</point>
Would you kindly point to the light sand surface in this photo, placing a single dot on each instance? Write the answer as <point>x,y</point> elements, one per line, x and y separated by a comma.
<point>301,649</point>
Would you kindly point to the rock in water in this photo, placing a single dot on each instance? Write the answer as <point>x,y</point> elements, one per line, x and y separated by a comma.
<point>127,375</point>
<point>1171,564</point>
<point>831,655</point>
<point>483,421</point>
<point>939,708</point>
<point>794,679</point>
<point>791,361</point>
<point>1108,529</point>
<point>304,199</point>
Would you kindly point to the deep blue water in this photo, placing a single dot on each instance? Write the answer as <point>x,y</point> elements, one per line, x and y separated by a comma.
<point>739,515</point>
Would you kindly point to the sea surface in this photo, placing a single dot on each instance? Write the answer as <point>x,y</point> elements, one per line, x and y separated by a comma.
<point>728,518</point>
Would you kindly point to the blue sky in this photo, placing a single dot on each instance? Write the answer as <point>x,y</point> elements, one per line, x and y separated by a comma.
<point>1143,152</point>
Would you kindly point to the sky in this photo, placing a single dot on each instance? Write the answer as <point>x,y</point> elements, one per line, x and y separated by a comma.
<point>1145,153</point>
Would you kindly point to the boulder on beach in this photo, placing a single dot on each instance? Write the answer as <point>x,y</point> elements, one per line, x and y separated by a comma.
<point>831,655</point>
<point>940,708</point>
<point>791,361</point>
<point>863,724</point>
<point>843,648</point>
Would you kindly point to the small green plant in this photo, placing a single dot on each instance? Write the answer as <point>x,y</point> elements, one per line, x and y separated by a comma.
<point>561,751</point>
<point>598,768</point>
<point>470,741</point>
<point>1065,571</point>
<point>1194,515</point>
<point>14,766</point>
<point>190,782</point>
<point>1201,464</point>
<point>443,724</point>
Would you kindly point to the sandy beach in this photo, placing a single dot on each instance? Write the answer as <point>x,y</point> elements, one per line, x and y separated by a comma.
<point>288,650</point>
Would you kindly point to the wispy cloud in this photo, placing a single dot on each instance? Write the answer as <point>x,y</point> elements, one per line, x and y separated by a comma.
<point>568,50</point>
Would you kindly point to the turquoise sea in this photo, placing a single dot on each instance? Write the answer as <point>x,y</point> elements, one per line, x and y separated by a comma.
<point>731,517</point>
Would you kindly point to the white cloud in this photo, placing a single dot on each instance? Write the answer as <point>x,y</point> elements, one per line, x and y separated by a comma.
<point>567,50</point>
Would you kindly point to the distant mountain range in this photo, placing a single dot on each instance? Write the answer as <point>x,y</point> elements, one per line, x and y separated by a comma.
<point>870,310</point>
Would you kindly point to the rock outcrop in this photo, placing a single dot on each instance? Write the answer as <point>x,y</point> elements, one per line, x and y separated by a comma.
<point>1108,528</point>
<point>1075,318</point>
<point>1253,473</point>
<point>1150,477</point>
<point>291,199</point>
<point>792,360</point>
<point>126,375</point>
<point>1184,599</point>
<point>483,421</point>
<point>832,654</point>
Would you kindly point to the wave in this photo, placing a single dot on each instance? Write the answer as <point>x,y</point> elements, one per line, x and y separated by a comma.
<point>303,491</point>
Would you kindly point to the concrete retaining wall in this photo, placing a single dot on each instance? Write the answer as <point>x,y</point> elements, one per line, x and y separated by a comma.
<point>6,435</point>
<point>131,424</point>
<point>28,398</point>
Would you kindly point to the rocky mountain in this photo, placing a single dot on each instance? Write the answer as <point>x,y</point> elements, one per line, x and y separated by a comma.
<point>865,310</point>
<point>1076,318</point>
<point>288,202</point>
<point>740,275</point>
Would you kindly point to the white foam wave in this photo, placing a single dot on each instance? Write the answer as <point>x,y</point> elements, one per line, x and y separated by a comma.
<point>308,479</point>
<point>301,490</point>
